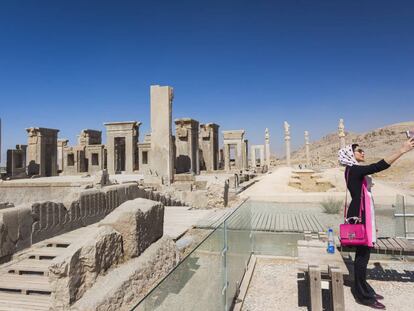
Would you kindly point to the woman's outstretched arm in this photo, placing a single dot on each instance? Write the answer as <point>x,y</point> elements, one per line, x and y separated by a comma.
<point>406,147</point>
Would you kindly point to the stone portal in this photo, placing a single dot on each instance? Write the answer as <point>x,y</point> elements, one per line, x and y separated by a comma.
<point>209,147</point>
<point>186,143</point>
<point>144,150</point>
<point>61,145</point>
<point>122,146</point>
<point>254,160</point>
<point>42,151</point>
<point>235,150</point>
<point>16,162</point>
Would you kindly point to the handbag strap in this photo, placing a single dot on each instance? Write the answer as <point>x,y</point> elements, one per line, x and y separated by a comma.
<point>346,195</point>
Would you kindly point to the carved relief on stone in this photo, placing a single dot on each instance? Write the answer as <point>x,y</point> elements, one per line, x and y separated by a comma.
<point>205,133</point>
<point>182,132</point>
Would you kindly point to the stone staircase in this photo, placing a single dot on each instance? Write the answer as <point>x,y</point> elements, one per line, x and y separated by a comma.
<point>24,282</point>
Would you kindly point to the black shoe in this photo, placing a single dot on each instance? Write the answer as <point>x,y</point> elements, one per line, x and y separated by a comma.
<point>377,305</point>
<point>374,305</point>
<point>378,297</point>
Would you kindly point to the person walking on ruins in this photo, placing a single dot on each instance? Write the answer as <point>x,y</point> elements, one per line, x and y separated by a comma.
<point>359,185</point>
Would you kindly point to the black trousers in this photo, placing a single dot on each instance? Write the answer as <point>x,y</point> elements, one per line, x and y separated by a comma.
<point>363,291</point>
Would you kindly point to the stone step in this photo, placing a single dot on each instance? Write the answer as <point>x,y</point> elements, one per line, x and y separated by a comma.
<point>18,302</point>
<point>45,253</point>
<point>30,266</point>
<point>25,284</point>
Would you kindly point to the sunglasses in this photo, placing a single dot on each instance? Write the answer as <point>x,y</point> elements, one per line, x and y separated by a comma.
<point>359,150</point>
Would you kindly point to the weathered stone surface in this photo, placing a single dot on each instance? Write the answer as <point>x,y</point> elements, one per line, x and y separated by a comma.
<point>49,219</point>
<point>125,285</point>
<point>46,219</point>
<point>140,223</point>
<point>161,163</point>
<point>101,179</point>
<point>4,205</point>
<point>74,272</point>
<point>15,230</point>
<point>218,194</point>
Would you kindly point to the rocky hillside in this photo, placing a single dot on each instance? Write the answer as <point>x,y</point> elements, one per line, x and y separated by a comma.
<point>377,144</point>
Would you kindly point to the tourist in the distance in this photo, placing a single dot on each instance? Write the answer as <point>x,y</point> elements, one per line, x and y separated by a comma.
<point>356,175</point>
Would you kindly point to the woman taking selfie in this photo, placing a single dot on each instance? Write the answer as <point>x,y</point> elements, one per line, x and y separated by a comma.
<point>359,186</point>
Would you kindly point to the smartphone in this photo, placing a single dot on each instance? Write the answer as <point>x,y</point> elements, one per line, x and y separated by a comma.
<point>410,134</point>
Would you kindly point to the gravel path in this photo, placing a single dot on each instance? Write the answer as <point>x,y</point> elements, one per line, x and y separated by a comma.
<point>275,286</point>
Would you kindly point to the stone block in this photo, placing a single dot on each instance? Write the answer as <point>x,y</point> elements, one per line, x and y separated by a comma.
<point>15,230</point>
<point>76,270</point>
<point>125,285</point>
<point>140,223</point>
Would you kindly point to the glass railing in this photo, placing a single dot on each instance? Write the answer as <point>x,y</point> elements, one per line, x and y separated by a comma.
<point>404,217</point>
<point>209,277</point>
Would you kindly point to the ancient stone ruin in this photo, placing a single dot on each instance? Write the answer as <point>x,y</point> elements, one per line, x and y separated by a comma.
<point>92,237</point>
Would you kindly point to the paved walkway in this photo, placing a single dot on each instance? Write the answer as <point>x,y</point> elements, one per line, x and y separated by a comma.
<point>179,219</point>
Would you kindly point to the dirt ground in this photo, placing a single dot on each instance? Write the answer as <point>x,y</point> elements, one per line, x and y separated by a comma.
<point>276,285</point>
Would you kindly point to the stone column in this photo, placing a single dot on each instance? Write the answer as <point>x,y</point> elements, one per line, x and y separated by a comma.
<point>162,153</point>
<point>341,133</point>
<point>61,144</point>
<point>262,156</point>
<point>253,155</point>
<point>267,147</point>
<point>287,142</point>
<point>226,151</point>
<point>307,148</point>
<point>245,154</point>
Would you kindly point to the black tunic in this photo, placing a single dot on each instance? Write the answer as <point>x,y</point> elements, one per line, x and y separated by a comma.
<point>355,179</point>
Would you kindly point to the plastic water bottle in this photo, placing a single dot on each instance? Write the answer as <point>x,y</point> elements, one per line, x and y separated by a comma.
<point>331,243</point>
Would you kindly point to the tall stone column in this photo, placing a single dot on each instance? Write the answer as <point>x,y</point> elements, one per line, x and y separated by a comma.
<point>162,155</point>
<point>307,148</point>
<point>341,133</point>
<point>262,155</point>
<point>253,155</point>
<point>61,144</point>
<point>267,147</point>
<point>287,142</point>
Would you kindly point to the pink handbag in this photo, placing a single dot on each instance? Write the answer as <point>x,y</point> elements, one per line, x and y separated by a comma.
<point>352,234</point>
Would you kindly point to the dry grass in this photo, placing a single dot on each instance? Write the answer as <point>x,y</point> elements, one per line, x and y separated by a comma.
<point>331,206</point>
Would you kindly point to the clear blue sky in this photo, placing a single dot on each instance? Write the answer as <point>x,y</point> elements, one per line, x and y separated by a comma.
<point>242,64</point>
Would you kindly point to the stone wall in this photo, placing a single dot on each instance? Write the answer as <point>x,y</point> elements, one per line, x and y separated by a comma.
<point>23,225</point>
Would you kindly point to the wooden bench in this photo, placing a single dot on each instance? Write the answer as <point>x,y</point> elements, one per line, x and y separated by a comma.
<point>387,246</point>
<point>319,265</point>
